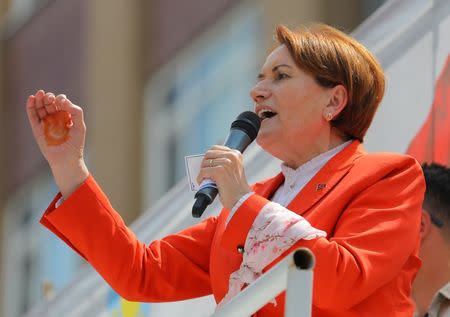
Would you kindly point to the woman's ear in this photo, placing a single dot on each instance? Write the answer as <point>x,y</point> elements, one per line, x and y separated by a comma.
<point>425,225</point>
<point>338,101</point>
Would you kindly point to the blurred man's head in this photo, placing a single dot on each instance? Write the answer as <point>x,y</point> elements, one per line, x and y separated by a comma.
<point>435,236</point>
<point>436,203</point>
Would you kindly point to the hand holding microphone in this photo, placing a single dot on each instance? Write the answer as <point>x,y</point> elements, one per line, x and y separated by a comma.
<point>224,166</point>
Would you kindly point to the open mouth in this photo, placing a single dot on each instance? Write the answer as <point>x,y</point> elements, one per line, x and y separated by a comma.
<point>266,114</point>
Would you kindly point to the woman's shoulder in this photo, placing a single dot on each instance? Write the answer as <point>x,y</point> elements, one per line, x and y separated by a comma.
<point>384,171</point>
<point>386,158</point>
<point>387,162</point>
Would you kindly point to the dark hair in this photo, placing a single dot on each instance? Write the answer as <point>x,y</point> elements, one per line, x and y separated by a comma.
<point>334,58</point>
<point>437,194</point>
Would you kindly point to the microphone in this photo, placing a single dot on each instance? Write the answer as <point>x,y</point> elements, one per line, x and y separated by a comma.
<point>243,131</point>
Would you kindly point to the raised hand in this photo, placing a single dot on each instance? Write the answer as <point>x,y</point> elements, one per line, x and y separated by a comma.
<point>59,130</point>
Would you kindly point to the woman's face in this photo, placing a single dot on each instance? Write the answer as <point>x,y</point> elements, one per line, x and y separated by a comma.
<point>290,103</point>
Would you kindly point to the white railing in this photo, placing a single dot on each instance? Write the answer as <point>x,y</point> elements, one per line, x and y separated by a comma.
<point>294,274</point>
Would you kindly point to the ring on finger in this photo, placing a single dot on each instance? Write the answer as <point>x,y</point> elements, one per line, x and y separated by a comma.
<point>211,163</point>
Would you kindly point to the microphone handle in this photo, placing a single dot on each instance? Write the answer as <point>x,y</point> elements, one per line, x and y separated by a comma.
<point>203,198</point>
<point>237,140</point>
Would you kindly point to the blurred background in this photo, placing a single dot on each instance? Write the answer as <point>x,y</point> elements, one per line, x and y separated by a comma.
<point>157,80</point>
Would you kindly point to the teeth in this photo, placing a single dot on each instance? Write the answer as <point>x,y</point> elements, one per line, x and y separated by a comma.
<point>266,113</point>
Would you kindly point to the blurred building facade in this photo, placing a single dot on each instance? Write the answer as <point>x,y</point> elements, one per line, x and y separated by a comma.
<point>157,79</point>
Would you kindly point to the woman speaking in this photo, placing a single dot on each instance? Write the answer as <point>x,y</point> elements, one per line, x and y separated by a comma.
<point>359,213</point>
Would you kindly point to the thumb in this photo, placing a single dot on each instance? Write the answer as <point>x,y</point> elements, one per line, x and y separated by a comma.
<point>75,111</point>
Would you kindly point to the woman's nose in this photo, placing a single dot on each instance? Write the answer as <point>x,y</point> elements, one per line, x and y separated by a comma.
<point>259,92</point>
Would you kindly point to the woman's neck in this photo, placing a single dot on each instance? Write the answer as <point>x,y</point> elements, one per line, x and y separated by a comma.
<point>299,158</point>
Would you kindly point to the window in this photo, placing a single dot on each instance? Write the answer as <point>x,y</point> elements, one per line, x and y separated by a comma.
<point>192,102</point>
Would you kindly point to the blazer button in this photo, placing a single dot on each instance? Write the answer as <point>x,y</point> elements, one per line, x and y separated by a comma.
<point>240,249</point>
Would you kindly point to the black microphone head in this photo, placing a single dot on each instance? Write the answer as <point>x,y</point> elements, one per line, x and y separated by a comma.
<point>249,122</point>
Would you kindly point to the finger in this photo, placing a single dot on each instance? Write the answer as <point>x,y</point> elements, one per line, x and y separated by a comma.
<point>210,157</point>
<point>49,98</point>
<point>33,117</point>
<point>39,102</point>
<point>62,103</point>
<point>42,113</point>
<point>51,108</point>
<point>211,173</point>
<point>232,155</point>
<point>58,101</point>
<point>212,154</point>
<point>31,110</point>
<point>39,99</point>
<point>221,161</point>
<point>49,103</point>
<point>220,147</point>
<point>60,97</point>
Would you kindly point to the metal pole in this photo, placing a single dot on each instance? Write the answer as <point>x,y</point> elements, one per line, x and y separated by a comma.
<point>300,284</point>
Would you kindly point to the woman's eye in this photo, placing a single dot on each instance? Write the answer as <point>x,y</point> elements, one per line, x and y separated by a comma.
<point>280,76</point>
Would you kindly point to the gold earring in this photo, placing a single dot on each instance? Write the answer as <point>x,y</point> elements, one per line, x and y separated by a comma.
<point>329,116</point>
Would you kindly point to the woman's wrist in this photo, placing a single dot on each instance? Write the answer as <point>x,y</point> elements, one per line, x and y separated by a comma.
<point>70,176</point>
<point>238,204</point>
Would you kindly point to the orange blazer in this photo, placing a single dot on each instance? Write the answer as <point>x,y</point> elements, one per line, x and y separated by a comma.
<point>368,204</point>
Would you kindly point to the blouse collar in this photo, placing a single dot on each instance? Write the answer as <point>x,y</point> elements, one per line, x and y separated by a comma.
<point>312,166</point>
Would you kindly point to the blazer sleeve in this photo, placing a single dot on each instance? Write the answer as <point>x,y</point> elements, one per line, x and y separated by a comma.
<point>374,237</point>
<point>173,268</point>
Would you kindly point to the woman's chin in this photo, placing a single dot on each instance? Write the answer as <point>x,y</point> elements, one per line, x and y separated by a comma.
<point>265,140</point>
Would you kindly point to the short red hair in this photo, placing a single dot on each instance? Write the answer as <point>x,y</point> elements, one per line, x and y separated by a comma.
<point>334,58</point>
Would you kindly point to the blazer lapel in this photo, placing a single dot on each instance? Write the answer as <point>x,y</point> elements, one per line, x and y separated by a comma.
<point>267,189</point>
<point>322,183</point>
<point>328,177</point>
